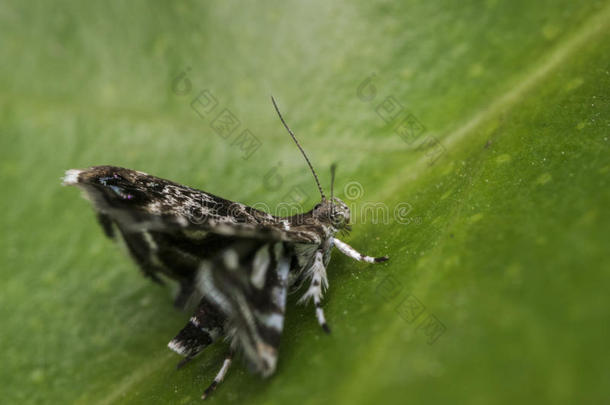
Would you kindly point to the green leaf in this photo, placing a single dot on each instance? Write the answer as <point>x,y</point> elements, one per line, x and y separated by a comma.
<point>497,205</point>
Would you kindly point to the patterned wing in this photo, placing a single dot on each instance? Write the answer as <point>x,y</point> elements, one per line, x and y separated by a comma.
<point>205,326</point>
<point>248,283</point>
<point>138,202</point>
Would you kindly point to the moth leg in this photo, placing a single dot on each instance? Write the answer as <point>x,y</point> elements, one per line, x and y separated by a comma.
<point>220,376</point>
<point>139,248</point>
<point>184,293</point>
<point>184,361</point>
<point>318,284</point>
<point>354,254</point>
<point>106,224</point>
<point>204,327</point>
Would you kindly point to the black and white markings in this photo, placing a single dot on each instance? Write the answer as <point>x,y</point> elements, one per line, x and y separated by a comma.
<point>204,327</point>
<point>318,283</point>
<point>249,284</point>
<point>260,266</point>
<point>220,376</point>
<point>236,261</point>
<point>354,254</point>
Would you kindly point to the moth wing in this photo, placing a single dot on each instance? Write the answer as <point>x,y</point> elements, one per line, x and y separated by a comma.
<point>138,202</point>
<point>248,282</point>
<point>205,326</point>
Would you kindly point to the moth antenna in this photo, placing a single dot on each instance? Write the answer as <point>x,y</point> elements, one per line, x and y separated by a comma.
<point>300,148</point>
<point>333,169</point>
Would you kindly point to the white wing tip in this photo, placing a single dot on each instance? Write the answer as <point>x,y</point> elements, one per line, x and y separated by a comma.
<point>177,347</point>
<point>71,177</point>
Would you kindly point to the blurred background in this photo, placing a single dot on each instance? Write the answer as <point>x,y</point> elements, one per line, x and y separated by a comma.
<point>479,129</point>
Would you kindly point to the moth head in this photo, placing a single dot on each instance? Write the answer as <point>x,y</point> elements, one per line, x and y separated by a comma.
<point>333,212</point>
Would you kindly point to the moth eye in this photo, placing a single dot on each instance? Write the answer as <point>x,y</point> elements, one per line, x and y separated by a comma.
<point>317,206</point>
<point>339,217</point>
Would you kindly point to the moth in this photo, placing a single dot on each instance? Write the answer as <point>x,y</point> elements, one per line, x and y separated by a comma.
<point>236,262</point>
